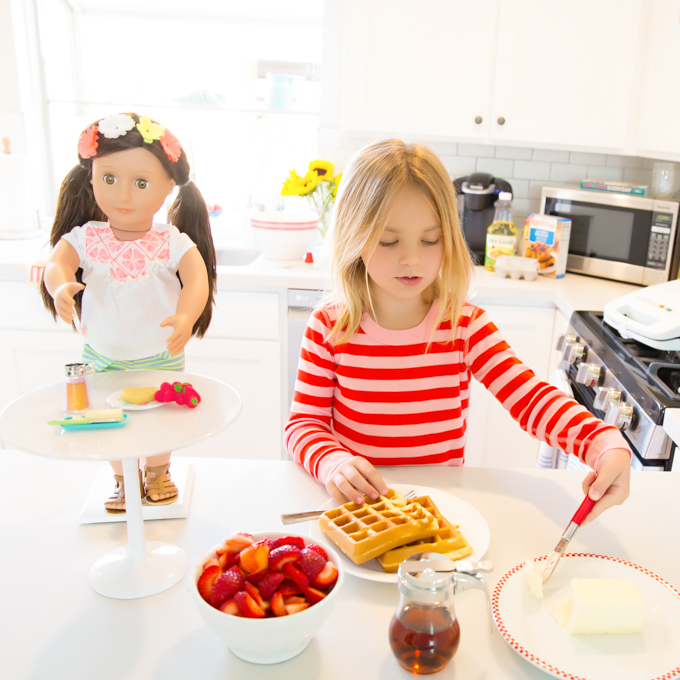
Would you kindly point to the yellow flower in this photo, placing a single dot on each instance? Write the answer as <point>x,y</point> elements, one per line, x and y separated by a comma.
<point>336,182</point>
<point>323,169</point>
<point>293,186</point>
<point>149,130</point>
<point>310,181</point>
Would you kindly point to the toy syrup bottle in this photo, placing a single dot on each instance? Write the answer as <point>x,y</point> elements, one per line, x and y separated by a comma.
<point>424,633</point>
<point>501,235</point>
<point>76,396</point>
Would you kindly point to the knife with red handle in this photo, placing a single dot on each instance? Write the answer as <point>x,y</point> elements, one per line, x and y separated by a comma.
<point>568,534</point>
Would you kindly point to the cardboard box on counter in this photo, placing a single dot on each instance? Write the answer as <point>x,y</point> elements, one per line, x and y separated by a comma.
<point>546,238</point>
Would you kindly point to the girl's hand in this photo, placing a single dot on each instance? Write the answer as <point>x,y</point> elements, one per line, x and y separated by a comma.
<point>64,301</point>
<point>182,326</point>
<point>609,484</point>
<point>353,480</point>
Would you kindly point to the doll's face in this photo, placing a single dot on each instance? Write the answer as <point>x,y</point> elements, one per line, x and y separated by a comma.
<point>130,187</point>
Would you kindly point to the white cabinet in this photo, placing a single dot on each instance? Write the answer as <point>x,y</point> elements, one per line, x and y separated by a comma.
<point>521,72</point>
<point>494,439</point>
<point>659,123</point>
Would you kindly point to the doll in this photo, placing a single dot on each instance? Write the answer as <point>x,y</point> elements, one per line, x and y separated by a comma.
<point>140,289</point>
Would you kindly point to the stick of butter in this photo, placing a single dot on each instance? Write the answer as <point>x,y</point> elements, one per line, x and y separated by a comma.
<point>534,578</point>
<point>599,606</point>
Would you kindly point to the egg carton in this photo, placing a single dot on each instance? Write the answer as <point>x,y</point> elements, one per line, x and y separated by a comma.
<point>516,267</point>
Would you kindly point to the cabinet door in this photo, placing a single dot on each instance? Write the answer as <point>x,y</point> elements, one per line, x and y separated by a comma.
<point>494,439</point>
<point>423,69</point>
<point>565,72</point>
<point>659,125</point>
<point>253,369</point>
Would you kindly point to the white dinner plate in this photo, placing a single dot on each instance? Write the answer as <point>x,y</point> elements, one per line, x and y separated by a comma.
<point>114,400</point>
<point>470,522</point>
<point>528,626</point>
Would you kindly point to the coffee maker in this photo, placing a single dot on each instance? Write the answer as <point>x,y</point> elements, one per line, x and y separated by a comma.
<point>476,195</point>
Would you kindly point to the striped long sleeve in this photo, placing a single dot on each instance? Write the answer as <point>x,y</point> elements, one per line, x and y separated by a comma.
<point>388,397</point>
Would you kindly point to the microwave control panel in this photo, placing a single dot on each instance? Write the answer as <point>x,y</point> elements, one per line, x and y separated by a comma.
<point>659,240</point>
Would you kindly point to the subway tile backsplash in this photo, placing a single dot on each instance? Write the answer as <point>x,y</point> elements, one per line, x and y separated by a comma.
<point>527,170</point>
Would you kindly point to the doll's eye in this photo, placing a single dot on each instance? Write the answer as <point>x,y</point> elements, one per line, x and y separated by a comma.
<point>141,184</point>
<point>109,179</point>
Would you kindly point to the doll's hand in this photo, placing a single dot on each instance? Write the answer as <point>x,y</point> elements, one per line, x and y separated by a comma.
<point>609,484</point>
<point>353,480</point>
<point>64,302</point>
<point>182,332</point>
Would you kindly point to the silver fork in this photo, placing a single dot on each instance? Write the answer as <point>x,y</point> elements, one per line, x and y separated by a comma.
<point>295,517</point>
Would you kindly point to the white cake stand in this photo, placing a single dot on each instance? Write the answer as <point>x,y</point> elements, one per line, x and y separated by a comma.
<point>142,567</point>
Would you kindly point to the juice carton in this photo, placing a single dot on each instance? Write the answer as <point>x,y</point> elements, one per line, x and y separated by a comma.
<point>546,238</point>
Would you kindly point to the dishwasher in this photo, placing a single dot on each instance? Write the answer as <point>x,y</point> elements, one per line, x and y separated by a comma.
<point>300,306</point>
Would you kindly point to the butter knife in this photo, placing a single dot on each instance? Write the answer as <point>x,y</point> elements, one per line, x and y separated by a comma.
<point>568,534</point>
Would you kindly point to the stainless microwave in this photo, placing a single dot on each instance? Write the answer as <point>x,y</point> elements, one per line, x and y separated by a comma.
<point>617,236</point>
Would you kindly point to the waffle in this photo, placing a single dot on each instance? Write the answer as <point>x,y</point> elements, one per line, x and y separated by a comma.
<point>365,531</point>
<point>138,395</point>
<point>447,540</point>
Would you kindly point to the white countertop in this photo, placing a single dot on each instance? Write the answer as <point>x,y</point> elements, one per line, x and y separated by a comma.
<point>53,625</point>
<point>573,292</point>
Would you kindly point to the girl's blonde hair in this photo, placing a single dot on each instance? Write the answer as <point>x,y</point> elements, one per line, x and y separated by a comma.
<point>369,185</point>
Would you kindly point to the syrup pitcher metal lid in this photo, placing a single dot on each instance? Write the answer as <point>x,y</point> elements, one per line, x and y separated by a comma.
<point>75,370</point>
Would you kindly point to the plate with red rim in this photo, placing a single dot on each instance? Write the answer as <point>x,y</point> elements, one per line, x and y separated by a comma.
<point>527,624</point>
<point>469,520</point>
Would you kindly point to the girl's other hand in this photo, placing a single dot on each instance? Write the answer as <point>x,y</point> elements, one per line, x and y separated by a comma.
<point>64,301</point>
<point>353,480</point>
<point>182,332</point>
<point>609,484</point>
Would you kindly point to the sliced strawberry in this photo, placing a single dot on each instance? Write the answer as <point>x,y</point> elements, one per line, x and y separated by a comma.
<point>211,562</point>
<point>285,554</point>
<point>327,577</point>
<point>289,587</point>
<point>254,593</point>
<point>236,542</point>
<point>271,581</point>
<point>206,579</point>
<point>294,574</point>
<point>229,607</point>
<point>297,541</point>
<point>319,550</point>
<point>311,563</point>
<point>294,599</point>
<point>247,606</point>
<point>225,587</point>
<point>313,595</point>
<point>254,558</point>
<point>237,569</point>
<point>295,608</point>
<point>227,559</point>
<point>278,605</point>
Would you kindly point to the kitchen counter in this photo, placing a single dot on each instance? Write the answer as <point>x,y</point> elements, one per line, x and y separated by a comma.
<point>53,625</point>
<point>573,292</point>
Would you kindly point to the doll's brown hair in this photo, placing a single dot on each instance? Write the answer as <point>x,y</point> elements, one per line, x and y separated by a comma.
<point>189,213</point>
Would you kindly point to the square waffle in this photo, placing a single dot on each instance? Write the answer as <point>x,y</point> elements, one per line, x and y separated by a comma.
<point>447,540</point>
<point>365,531</point>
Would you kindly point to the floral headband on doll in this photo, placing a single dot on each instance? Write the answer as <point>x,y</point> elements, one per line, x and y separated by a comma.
<point>119,124</point>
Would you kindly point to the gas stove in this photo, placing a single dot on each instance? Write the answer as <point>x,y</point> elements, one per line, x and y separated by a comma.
<point>625,383</point>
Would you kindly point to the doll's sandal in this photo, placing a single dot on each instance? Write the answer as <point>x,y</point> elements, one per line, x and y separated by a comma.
<point>118,495</point>
<point>157,482</point>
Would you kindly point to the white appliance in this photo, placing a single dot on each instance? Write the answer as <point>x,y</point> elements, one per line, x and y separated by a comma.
<point>650,316</point>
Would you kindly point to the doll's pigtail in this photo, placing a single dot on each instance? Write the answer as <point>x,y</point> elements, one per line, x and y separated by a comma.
<point>75,207</point>
<point>189,213</point>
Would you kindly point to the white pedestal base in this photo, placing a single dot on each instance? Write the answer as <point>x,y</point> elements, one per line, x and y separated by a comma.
<point>119,575</point>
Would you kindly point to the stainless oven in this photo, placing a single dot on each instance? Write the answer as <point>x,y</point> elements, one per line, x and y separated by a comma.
<point>617,236</point>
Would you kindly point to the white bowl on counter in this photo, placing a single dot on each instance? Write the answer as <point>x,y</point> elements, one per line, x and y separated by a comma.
<point>269,640</point>
<point>284,235</point>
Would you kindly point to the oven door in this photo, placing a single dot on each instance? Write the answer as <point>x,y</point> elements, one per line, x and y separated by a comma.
<point>618,237</point>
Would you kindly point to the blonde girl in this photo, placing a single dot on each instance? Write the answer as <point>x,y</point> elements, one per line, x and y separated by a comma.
<point>385,368</point>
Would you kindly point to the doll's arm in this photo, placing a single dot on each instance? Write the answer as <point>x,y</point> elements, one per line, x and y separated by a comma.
<point>60,279</point>
<point>192,299</point>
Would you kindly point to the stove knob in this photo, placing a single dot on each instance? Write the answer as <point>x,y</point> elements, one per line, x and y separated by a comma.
<point>619,414</point>
<point>606,396</point>
<point>573,352</point>
<point>588,374</point>
<point>564,338</point>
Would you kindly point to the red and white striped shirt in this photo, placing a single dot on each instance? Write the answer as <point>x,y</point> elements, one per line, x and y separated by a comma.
<point>382,396</point>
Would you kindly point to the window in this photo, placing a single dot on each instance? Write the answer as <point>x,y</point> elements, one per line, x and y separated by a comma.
<point>237,83</point>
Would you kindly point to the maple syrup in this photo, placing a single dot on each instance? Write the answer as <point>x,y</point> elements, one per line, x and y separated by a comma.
<point>424,639</point>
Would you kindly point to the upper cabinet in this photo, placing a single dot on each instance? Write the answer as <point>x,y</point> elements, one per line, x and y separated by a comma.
<point>571,74</point>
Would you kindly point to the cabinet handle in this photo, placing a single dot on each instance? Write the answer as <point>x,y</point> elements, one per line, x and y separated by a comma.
<point>478,120</point>
<point>501,121</point>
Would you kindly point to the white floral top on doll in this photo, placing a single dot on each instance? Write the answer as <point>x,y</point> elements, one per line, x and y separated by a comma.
<point>130,288</point>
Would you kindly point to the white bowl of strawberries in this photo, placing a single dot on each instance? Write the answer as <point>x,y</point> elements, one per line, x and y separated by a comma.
<point>266,594</point>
